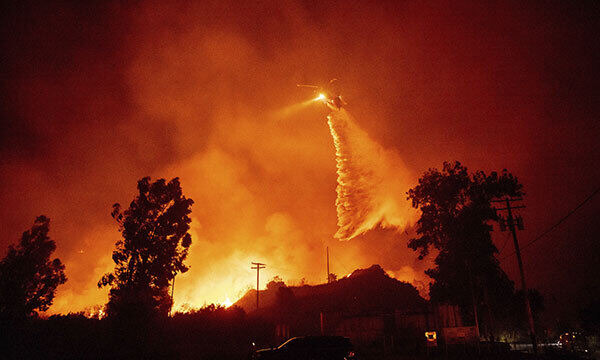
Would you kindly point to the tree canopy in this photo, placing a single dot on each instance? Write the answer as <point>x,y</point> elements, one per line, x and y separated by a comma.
<point>28,278</point>
<point>152,251</point>
<point>456,212</point>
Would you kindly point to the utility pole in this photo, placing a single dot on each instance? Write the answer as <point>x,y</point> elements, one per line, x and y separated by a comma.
<point>518,222</point>
<point>328,277</point>
<point>257,266</point>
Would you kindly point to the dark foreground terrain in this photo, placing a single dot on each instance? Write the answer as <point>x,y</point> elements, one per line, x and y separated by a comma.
<point>216,334</point>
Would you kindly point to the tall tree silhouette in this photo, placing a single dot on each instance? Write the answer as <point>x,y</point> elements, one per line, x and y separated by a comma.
<point>28,278</point>
<point>152,251</point>
<point>455,214</point>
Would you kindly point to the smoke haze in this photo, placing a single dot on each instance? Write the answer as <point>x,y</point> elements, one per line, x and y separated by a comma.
<point>98,95</point>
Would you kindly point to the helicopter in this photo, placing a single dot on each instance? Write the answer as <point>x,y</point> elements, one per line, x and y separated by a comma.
<point>327,95</point>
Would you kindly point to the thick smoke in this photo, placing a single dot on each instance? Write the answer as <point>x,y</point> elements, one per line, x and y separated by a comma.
<point>372,181</point>
<point>102,94</point>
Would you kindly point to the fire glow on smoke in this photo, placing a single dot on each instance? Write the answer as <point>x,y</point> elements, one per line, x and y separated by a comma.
<point>371,192</point>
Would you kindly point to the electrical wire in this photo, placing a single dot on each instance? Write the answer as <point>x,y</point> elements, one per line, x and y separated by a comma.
<point>588,198</point>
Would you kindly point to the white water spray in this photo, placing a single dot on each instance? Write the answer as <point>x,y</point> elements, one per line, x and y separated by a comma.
<point>372,181</point>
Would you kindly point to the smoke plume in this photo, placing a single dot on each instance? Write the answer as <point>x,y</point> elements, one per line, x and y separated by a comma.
<point>371,182</point>
<point>101,94</point>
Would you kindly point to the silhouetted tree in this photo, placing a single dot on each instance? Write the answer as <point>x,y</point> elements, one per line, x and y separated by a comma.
<point>153,249</point>
<point>275,283</point>
<point>28,278</point>
<point>455,214</point>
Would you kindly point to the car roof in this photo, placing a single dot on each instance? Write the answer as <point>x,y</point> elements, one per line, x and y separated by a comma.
<point>320,341</point>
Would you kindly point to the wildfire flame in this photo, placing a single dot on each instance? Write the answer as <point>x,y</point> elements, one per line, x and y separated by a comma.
<point>372,181</point>
<point>94,312</point>
<point>227,303</point>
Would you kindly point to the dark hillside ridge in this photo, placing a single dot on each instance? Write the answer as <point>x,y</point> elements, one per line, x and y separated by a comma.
<point>365,291</point>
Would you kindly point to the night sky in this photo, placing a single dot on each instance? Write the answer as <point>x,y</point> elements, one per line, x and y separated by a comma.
<point>96,96</point>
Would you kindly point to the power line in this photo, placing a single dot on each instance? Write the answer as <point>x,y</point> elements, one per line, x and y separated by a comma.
<point>588,198</point>
<point>281,269</point>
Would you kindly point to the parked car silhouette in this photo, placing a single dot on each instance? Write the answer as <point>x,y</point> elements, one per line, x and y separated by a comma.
<point>310,348</point>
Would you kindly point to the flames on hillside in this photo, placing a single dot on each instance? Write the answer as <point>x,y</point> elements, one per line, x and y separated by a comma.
<point>370,195</point>
<point>272,179</point>
<point>371,184</point>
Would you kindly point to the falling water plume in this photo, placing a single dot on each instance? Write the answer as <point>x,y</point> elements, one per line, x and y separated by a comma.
<point>372,181</point>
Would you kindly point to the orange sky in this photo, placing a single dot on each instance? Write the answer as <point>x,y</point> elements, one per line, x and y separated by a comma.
<point>100,96</point>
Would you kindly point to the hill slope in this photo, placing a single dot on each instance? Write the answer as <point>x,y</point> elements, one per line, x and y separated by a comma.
<point>365,291</point>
